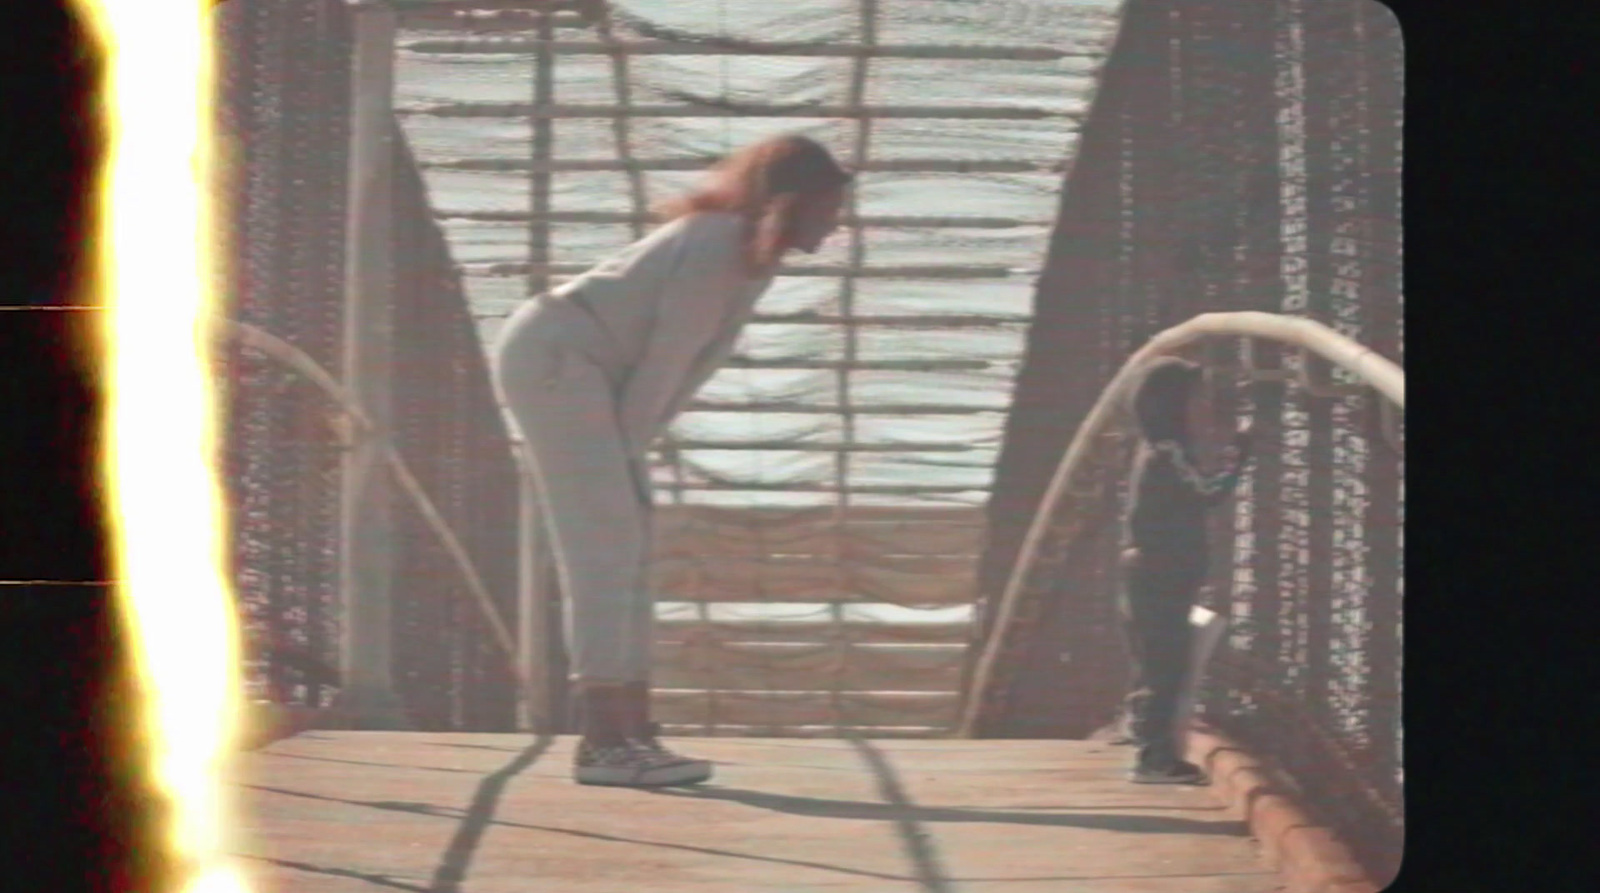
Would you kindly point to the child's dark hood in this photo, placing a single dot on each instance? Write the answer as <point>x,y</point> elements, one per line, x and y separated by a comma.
<point>1161,397</point>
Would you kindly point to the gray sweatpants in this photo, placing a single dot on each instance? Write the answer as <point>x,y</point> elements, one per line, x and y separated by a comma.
<point>594,490</point>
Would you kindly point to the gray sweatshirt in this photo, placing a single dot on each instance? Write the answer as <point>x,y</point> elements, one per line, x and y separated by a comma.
<point>670,308</point>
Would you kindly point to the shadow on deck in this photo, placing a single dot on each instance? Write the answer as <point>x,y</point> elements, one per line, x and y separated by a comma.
<point>479,813</point>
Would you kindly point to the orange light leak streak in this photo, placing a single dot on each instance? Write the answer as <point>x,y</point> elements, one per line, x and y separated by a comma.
<point>160,447</point>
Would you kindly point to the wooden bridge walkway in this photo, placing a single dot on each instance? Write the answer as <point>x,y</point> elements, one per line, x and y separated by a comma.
<point>358,812</point>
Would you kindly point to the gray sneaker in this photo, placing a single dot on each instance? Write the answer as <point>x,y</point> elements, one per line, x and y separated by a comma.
<point>1176,772</point>
<point>631,764</point>
<point>651,743</point>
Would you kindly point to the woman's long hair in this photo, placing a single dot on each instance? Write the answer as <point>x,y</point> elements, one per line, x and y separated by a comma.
<point>769,183</point>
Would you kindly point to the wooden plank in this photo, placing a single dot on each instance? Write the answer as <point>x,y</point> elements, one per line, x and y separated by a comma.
<point>620,218</point>
<point>881,165</point>
<point>906,580</point>
<point>496,21</point>
<point>829,487</point>
<point>813,631</point>
<point>903,320</point>
<point>752,110</point>
<point>930,365</point>
<point>804,708</point>
<point>420,6</point>
<point>866,532</point>
<point>722,730</point>
<point>820,566</point>
<point>799,666</point>
<point>793,407</point>
<point>854,542</point>
<point>903,271</point>
<point>937,709</point>
<point>748,48</point>
<point>820,446</point>
<point>672,517</point>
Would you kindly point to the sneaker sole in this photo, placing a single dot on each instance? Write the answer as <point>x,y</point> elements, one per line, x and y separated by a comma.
<point>688,772</point>
<point>1195,780</point>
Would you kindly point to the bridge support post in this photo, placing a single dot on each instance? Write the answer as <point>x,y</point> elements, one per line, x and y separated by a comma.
<point>367,699</point>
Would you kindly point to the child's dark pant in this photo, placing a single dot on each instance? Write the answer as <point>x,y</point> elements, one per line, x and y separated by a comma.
<point>1156,595</point>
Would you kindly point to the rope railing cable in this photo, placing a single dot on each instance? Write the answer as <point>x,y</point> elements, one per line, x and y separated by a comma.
<point>272,346</point>
<point>1380,373</point>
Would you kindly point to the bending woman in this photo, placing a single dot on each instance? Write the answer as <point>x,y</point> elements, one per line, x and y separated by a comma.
<point>596,369</point>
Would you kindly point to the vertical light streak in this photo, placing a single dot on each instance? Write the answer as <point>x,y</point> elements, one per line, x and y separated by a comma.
<point>160,446</point>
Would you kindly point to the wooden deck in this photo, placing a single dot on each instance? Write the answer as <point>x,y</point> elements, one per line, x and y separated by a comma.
<point>342,812</point>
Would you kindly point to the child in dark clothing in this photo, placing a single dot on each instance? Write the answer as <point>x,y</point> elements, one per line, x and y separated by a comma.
<point>1165,561</point>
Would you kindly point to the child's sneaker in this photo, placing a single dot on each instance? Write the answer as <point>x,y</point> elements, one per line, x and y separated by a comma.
<point>1122,733</point>
<point>631,764</point>
<point>1116,734</point>
<point>1175,772</point>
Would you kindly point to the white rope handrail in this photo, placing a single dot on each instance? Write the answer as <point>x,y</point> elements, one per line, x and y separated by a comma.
<point>286,353</point>
<point>1380,373</point>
